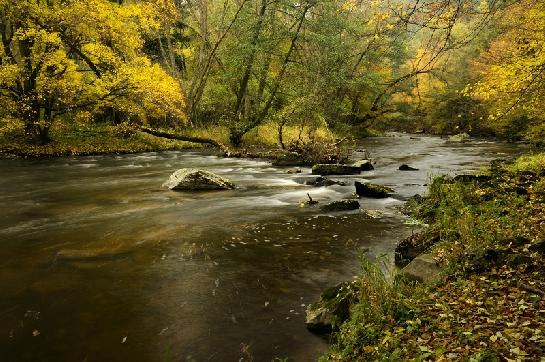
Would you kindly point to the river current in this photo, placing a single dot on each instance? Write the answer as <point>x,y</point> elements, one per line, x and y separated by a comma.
<point>192,276</point>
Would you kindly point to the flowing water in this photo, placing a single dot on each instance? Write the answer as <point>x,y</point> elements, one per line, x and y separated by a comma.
<point>174,276</point>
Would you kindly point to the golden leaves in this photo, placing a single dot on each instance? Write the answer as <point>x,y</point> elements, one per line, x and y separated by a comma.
<point>85,55</point>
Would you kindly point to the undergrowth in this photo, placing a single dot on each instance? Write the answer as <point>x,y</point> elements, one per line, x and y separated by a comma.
<point>489,303</point>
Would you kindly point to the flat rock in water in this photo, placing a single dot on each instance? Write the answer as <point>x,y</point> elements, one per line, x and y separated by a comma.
<point>407,168</point>
<point>422,269</point>
<point>372,190</point>
<point>341,205</point>
<point>335,169</point>
<point>189,179</point>
<point>364,165</point>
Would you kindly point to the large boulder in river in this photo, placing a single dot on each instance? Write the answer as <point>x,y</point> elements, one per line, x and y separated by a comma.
<point>342,205</point>
<point>364,165</point>
<point>335,169</point>
<point>190,179</point>
<point>372,190</point>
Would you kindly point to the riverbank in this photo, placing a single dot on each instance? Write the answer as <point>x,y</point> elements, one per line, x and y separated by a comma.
<point>80,140</point>
<point>487,303</point>
<point>70,139</point>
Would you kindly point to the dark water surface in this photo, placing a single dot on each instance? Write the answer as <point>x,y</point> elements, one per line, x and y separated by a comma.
<point>190,275</point>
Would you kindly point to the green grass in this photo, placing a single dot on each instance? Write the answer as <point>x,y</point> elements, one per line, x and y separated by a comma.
<point>534,163</point>
<point>74,139</point>
<point>71,138</point>
<point>471,314</point>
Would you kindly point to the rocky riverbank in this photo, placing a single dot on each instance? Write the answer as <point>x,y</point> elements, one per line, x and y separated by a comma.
<point>479,257</point>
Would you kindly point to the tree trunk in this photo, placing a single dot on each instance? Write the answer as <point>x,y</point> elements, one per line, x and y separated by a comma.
<point>200,78</point>
<point>257,119</point>
<point>243,87</point>
<point>226,150</point>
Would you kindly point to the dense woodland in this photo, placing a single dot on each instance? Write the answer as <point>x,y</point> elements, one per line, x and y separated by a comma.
<point>440,66</point>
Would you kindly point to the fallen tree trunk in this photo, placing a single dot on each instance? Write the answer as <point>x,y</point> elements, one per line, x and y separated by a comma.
<point>302,155</point>
<point>171,136</point>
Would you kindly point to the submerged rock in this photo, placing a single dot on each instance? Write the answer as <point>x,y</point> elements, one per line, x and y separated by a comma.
<point>422,269</point>
<point>372,190</point>
<point>459,138</point>
<point>189,179</point>
<point>341,205</point>
<point>407,168</point>
<point>322,181</point>
<point>364,165</point>
<point>335,169</point>
<point>332,309</point>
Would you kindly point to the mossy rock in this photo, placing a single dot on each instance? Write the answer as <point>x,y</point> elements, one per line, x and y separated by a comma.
<point>189,179</point>
<point>372,190</point>
<point>332,309</point>
<point>341,205</point>
<point>364,165</point>
<point>422,269</point>
<point>411,247</point>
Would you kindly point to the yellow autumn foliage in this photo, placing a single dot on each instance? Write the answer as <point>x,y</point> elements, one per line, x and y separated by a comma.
<point>60,57</point>
<point>512,71</point>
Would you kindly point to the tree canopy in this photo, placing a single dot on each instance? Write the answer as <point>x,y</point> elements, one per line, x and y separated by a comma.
<point>61,58</point>
<point>445,66</point>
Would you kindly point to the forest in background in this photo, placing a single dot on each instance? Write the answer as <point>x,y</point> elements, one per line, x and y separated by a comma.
<point>315,66</point>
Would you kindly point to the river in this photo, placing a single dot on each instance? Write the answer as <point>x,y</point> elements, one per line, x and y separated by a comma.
<point>191,276</point>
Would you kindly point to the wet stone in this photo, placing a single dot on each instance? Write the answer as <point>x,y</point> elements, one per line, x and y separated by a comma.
<point>372,190</point>
<point>189,179</point>
<point>335,169</point>
<point>341,205</point>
